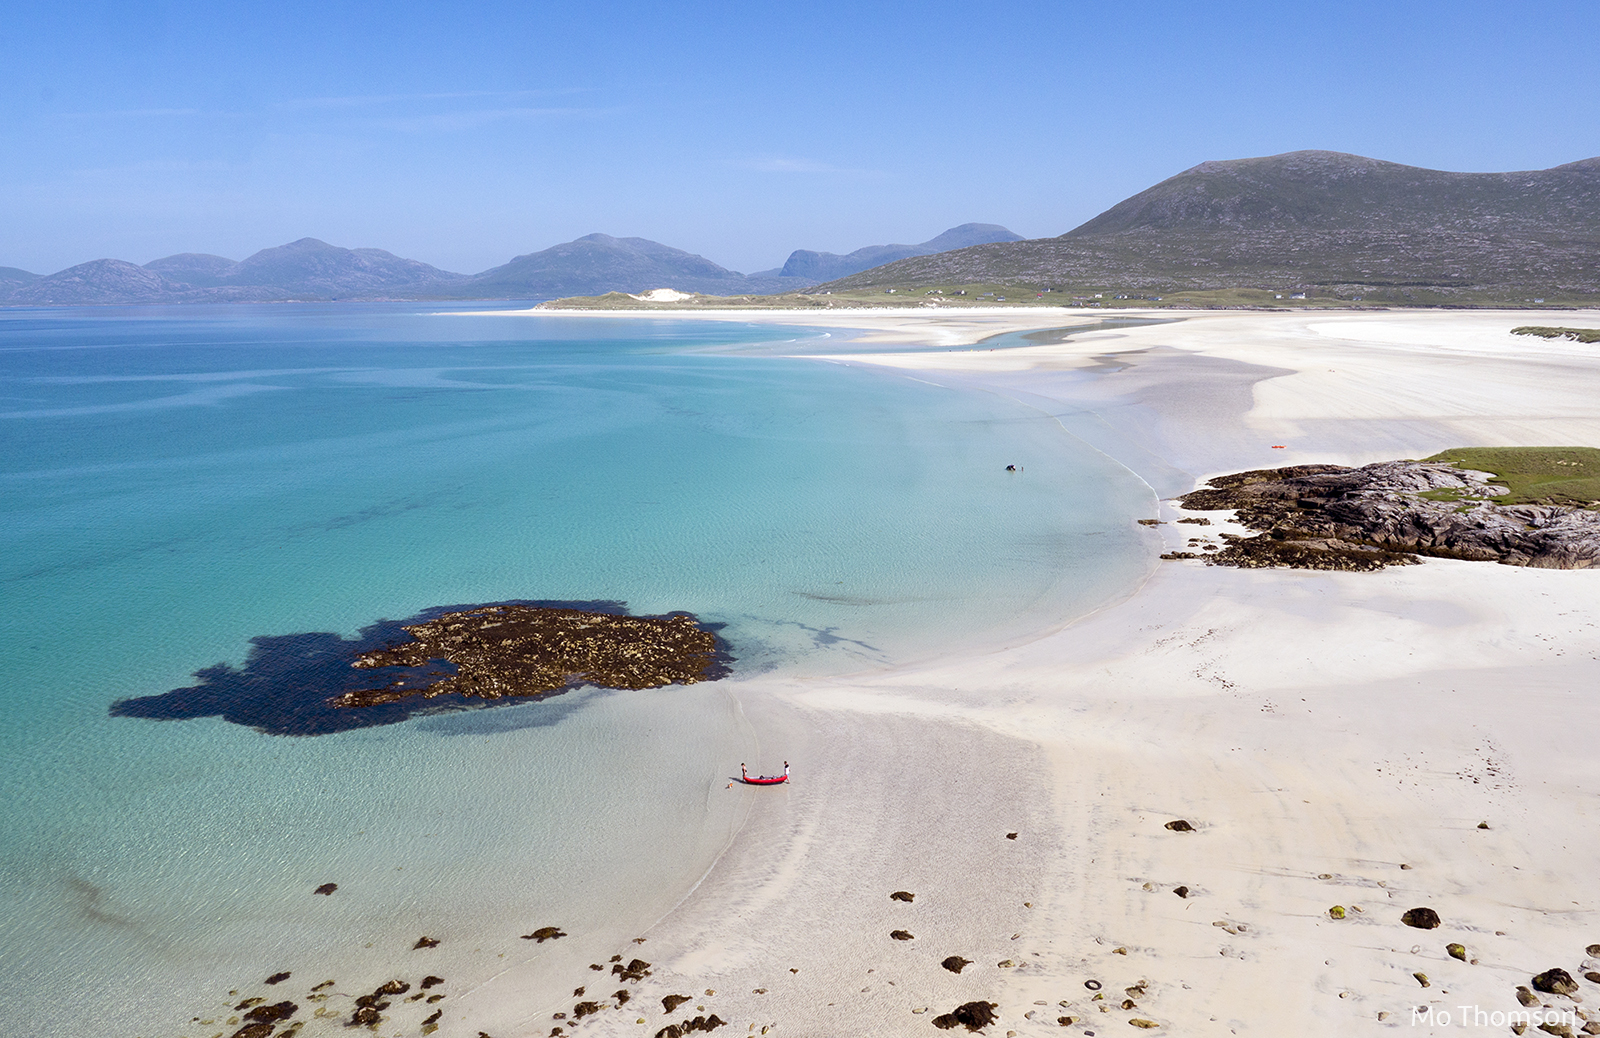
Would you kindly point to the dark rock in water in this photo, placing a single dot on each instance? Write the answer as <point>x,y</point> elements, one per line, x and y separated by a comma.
<point>1331,517</point>
<point>429,981</point>
<point>1182,892</point>
<point>278,978</point>
<point>273,1013</point>
<point>1556,982</point>
<point>1178,825</point>
<point>253,1031</point>
<point>583,1009</point>
<point>449,658</point>
<point>955,963</point>
<point>974,1016</point>
<point>902,935</point>
<point>1421,918</point>
<point>425,942</point>
<point>671,1002</point>
<point>544,933</point>
<point>326,888</point>
<point>903,895</point>
<point>634,971</point>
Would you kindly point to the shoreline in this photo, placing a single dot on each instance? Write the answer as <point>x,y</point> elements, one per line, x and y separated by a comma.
<point>1319,730</point>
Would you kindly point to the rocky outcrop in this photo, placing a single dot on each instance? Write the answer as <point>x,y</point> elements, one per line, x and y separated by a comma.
<point>517,650</point>
<point>1332,517</point>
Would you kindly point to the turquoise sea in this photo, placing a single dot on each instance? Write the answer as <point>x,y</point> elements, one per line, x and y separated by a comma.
<point>176,482</point>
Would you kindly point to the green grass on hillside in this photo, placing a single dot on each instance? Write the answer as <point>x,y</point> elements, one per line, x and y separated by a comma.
<point>1548,332</point>
<point>1535,475</point>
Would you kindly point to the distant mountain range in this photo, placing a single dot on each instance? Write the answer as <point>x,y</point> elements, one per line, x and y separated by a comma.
<point>1314,220</point>
<point>309,269</point>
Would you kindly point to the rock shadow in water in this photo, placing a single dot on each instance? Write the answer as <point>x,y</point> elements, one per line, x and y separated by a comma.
<point>288,681</point>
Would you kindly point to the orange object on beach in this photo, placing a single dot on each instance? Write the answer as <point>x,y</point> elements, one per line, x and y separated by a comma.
<point>1279,447</point>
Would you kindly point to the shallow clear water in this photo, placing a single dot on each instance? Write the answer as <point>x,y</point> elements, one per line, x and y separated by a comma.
<point>175,482</point>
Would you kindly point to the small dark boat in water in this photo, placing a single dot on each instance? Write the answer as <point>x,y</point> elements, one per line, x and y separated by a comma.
<point>763,780</point>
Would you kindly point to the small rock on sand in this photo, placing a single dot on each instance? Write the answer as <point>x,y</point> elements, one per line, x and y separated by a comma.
<point>902,935</point>
<point>671,1002</point>
<point>1178,825</point>
<point>544,933</point>
<point>955,963</point>
<point>425,942</point>
<point>1182,892</point>
<point>1556,982</point>
<point>1456,951</point>
<point>974,1016</point>
<point>326,888</point>
<point>903,895</point>
<point>1421,918</point>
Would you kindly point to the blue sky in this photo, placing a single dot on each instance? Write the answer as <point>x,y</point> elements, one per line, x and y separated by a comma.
<point>465,134</point>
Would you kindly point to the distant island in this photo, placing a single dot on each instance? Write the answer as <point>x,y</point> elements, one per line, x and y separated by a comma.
<point>1308,228</point>
<point>312,270</point>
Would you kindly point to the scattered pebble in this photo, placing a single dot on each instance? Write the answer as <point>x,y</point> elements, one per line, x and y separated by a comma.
<point>425,942</point>
<point>902,935</point>
<point>278,978</point>
<point>903,895</point>
<point>955,963</point>
<point>326,888</point>
<point>1457,951</point>
<point>1178,825</point>
<point>544,933</point>
<point>1182,892</point>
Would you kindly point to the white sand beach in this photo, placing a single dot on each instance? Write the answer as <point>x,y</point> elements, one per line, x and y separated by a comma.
<point>1334,739</point>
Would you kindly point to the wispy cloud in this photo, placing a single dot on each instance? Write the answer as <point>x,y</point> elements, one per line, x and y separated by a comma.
<point>776,164</point>
<point>377,100</point>
<point>454,122</point>
<point>138,113</point>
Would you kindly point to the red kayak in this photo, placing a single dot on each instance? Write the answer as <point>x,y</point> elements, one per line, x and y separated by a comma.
<point>764,780</point>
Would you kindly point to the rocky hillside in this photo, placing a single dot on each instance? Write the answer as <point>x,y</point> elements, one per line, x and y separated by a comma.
<point>1312,220</point>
